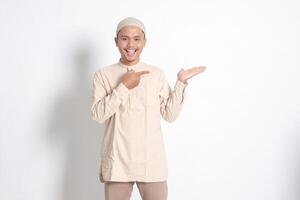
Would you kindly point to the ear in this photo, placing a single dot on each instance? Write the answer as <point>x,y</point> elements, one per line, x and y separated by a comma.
<point>116,41</point>
<point>145,41</point>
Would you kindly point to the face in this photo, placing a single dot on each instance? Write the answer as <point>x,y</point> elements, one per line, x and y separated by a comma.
<point>130,42</point>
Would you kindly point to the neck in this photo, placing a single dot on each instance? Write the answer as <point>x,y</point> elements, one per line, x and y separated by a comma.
<point>129,63</point>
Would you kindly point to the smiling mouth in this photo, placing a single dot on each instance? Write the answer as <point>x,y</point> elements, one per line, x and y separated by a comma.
<point>130,52</point>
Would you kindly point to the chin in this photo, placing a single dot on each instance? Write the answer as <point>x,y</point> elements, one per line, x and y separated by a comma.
<point>130,59</point>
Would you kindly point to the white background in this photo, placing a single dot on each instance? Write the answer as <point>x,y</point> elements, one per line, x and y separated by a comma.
<point>237,138</point>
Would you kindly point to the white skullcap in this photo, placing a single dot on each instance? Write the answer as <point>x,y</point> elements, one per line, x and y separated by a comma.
<point>131,21</point>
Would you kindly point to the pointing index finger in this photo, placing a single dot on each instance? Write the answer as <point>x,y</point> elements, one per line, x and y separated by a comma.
<point>142,72</point>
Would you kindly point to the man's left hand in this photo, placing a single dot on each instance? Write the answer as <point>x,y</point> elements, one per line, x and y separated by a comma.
<point>184,75</point>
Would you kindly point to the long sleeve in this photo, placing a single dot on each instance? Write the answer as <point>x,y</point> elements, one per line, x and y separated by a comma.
<point>171,100</point>
<point>106,104</point>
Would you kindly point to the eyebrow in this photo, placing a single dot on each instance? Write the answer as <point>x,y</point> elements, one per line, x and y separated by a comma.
<point>136,36</point>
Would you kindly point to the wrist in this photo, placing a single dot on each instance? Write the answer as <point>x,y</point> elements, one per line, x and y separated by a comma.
<point>182,81</point>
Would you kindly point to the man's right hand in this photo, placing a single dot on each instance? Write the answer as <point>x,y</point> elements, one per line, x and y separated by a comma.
<point>132,79</point>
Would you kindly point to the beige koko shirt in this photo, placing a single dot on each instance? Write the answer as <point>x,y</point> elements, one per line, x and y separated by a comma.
<point>133,147</point>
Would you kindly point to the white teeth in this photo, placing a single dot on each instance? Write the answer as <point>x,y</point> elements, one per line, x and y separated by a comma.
<point>130,51</point>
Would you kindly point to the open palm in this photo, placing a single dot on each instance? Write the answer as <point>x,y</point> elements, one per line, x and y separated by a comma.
<point>184,75</point>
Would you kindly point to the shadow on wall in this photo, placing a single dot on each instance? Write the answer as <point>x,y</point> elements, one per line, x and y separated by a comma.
<point>72,121</point>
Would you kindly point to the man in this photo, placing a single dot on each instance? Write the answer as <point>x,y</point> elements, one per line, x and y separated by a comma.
<point>129,97</point>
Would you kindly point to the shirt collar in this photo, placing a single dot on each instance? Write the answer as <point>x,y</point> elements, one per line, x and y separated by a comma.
<point>129,66</point>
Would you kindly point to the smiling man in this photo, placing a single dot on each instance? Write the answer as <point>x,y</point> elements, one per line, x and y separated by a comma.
<point>130,40</point>
<point>130,97</point>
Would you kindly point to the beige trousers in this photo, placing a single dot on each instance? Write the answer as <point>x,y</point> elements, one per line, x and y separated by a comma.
<point>148,191</point>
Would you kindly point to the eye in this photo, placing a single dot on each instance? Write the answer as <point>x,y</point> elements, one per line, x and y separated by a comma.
<point>124,39</point>
<point>137,39</point>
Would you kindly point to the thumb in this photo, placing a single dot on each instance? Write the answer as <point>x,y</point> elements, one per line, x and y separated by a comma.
<point>181,70</point>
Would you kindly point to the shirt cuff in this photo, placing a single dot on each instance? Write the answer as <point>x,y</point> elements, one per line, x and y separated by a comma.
<point>180,85</point>
<point>180,90</point>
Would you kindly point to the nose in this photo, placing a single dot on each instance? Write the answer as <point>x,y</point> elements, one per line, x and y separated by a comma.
<point>130,43</point>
